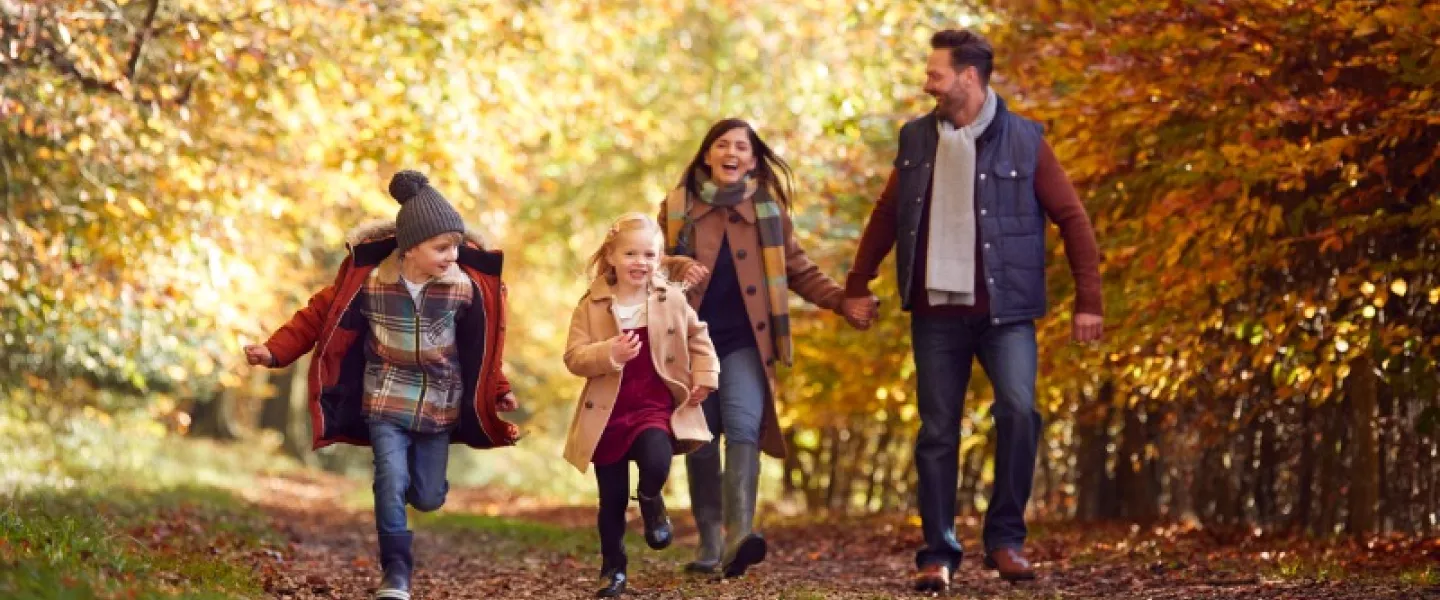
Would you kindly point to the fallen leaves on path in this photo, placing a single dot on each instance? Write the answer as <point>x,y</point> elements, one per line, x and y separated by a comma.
<point>330,554</point>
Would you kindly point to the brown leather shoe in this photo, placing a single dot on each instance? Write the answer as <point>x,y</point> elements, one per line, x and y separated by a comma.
<point>1011,564</point>
<point>932,578</point>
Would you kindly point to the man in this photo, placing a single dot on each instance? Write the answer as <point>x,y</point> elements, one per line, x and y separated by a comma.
<point>966,205</point>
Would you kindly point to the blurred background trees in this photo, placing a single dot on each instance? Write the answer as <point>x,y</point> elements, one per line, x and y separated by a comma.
<point>176,176</point>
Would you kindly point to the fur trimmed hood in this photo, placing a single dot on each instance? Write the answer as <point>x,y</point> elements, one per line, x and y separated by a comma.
<point>380,229</point>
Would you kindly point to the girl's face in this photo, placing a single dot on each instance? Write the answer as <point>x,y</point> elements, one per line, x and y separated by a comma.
<point>730,157</point>
<point>635,254</point>
<point>433,257</point>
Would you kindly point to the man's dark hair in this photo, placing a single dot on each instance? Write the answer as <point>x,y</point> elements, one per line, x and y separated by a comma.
<point>967,49</point>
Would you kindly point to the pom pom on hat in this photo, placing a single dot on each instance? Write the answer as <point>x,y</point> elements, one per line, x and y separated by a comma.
<point>406,185</point>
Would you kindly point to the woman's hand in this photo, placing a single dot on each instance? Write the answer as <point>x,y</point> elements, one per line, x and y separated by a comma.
<point>696,274</point>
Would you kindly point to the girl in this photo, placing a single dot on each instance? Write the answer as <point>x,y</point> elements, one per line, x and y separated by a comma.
<point>648,364</point>
<point>731,214</point>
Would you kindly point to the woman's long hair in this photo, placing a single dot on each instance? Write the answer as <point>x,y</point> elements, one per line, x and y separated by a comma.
<point>770,170</point>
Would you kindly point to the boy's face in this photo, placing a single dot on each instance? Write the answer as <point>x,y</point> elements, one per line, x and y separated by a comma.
<point>635,255</point>
<point>434,256</point>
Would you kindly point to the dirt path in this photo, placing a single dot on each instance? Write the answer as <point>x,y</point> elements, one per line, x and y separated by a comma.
<point>499,546</point>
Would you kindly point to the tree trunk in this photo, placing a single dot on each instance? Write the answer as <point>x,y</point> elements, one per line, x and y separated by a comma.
<point>1264,485</point>
<point>1095,486</point>
<point>1300,514</point>
<point>1365,456</point>
<point>1138,501</point>
<point>215,417</point>
<point>1332,449</point>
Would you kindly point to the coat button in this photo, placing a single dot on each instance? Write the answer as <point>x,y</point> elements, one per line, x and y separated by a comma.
<point>734,217</point>
<point>589,404</point>
<point>670,330</point>
<point>982,177</point>
<point>741,254</point>
<point>982,212</point>
<point>760,326</point>
<point>919,199</point>
<point>750,290</point>
<point>669,358</point>
<point>904,163</point>
<point>1014,173</point>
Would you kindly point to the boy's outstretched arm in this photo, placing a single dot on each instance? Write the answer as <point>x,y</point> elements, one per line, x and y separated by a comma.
<point>299,334</point>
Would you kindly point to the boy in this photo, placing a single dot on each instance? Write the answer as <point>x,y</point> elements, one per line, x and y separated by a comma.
<point>408,343</point>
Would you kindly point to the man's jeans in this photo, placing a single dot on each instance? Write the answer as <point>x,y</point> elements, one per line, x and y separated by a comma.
<point>944,348</point>
<point>409,468</point>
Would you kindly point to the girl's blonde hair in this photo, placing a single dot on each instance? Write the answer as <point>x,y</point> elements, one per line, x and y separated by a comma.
<point>599,264</point>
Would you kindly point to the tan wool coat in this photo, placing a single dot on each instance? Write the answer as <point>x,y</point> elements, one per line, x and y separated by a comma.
<point>712,225</point>
<point>679,346</point>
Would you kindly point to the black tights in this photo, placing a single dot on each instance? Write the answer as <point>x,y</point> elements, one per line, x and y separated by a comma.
<point>652,453</point>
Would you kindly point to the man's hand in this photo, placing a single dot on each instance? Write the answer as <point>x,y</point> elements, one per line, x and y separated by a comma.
<point>1088,327</point>
<point>859,311</point>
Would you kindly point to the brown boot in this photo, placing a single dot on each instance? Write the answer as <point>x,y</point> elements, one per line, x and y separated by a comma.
<point>932,578</point>
<point>1011,564</point>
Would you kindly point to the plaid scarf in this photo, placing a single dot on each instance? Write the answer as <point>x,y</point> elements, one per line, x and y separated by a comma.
<point>680,241</point>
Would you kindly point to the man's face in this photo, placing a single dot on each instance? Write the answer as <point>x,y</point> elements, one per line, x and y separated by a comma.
<point>950,88</point>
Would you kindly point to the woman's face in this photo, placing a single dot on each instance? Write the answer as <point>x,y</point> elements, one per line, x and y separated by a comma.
<point>730,157</point>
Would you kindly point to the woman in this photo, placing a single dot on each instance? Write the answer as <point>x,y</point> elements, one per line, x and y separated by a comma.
<point>731,215</point>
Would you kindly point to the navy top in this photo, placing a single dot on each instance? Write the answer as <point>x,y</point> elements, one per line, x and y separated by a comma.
<point>723,308</point>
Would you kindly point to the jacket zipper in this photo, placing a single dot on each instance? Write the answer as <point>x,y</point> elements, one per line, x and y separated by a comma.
<point>420,403</point>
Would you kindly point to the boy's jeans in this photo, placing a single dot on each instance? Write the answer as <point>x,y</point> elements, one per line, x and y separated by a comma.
<point>409,468</point>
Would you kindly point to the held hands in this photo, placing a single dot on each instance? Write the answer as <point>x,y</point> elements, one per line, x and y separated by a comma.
<point>696,274</point>
<point>258,354</point>
<point>698,394</point>
<point>1088,327</point>
<point>507,403</point>
<point>624,347</point>
<point>860,311</point>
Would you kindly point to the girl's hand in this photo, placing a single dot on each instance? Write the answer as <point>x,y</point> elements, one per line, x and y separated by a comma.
<point>258,354</point>
<point>698,394</point>
<point>624,347</point>
<point>507,403</point>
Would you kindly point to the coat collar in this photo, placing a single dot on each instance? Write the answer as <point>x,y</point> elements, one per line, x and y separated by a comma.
<point>601,290</point>
<point>373,242</point>
<point>931,120</point>
<point>388,271</point>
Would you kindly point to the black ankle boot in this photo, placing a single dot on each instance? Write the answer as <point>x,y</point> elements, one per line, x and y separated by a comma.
<point>612,579</point>
<point>658,532</point>
<point>397,561</point>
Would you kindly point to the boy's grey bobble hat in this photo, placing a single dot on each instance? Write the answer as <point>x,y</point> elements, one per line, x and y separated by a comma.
<point>424,213</point>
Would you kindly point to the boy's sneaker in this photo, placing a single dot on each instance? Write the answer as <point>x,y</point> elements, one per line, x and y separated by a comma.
<point>396,559</point>
<point>394,586</point>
